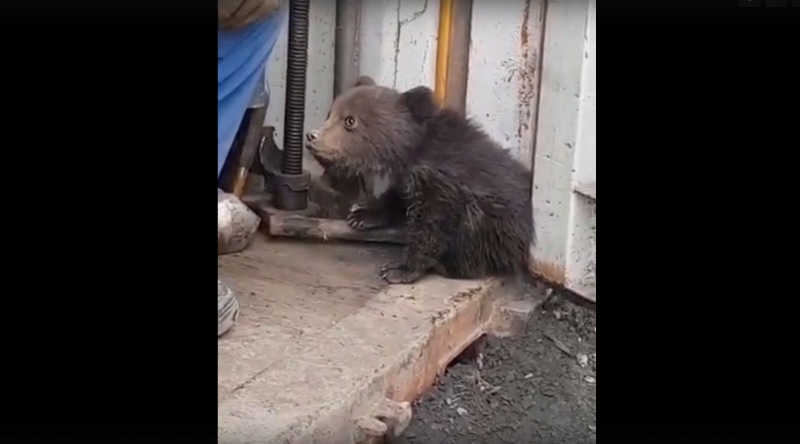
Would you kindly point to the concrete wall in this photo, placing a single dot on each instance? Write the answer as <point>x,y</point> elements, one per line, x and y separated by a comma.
<point>398,41</point>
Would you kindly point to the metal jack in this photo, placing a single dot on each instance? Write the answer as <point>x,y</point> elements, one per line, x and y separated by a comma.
<point>286,182</point>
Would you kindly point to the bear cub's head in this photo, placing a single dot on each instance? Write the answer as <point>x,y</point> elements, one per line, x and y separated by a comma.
<point>371,128</point>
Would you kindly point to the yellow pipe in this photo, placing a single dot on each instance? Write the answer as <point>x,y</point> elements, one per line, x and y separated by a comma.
<point>443,50</point>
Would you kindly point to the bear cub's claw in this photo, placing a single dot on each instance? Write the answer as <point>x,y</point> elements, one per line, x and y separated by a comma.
<point>363,219</point>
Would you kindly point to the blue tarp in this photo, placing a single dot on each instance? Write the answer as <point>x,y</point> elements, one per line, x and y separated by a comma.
<point>242,57</point>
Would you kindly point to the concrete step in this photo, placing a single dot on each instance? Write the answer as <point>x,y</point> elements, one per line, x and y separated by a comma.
<point>323,347</point>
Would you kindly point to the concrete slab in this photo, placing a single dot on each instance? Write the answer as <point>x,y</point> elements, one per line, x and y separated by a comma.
<point>323,344</point>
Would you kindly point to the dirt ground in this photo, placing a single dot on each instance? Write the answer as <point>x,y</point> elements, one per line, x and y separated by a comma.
<point>536,388</point>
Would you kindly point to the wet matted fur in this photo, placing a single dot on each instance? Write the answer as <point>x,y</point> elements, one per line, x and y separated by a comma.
<point>465,200</point>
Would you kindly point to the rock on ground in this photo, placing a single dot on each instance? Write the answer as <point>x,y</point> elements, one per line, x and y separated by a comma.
<point>236,224</point>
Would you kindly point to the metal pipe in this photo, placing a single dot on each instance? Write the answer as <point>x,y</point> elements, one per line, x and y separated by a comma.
<point>443,50</point>
<point>458,56</point>
<point>348,25</point>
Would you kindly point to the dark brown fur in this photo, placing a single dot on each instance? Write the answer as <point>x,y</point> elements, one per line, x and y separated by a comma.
<point>466,200</point>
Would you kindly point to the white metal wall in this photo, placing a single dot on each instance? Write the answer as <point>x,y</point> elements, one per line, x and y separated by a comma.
<point>503,71</point>
<point>396,45</point>
<point>564,175</point>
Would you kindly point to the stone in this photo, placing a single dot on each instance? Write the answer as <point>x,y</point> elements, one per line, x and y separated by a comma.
<point>236,224</point>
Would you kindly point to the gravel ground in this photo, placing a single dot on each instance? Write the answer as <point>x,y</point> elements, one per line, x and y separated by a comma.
<point>539,387</point>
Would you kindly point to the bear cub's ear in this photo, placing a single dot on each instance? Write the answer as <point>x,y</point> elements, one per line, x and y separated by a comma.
<point>364,81</point>
<point>419,102</point>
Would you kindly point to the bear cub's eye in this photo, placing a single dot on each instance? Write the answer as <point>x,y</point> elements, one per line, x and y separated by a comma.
<point>350,122</point>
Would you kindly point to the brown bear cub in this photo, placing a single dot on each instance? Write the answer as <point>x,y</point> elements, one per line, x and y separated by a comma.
<point>464,200</point>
